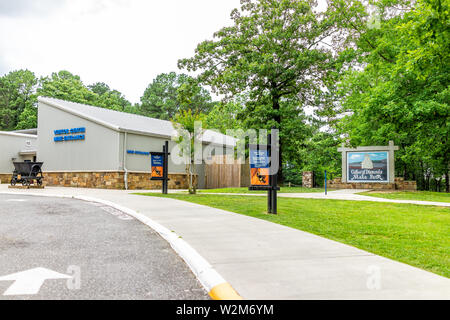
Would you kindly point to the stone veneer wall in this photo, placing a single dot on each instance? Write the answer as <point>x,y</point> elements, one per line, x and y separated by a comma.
<point>112,180</point>
<point>308,179</point>
<point>5,178</point>
<point>400,184</point>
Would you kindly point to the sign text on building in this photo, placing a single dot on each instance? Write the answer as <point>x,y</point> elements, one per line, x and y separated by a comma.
<point>73,134</point>
<point>142,153</point>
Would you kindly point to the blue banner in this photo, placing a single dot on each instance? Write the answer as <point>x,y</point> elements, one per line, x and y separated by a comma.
<point>259,158</point>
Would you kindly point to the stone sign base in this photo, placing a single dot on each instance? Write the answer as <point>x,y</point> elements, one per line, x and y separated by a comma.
<point>400,184</point>
<point>308,179</point>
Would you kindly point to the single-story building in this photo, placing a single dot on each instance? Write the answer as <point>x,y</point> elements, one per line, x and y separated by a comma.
<point>92,147</point>
<point>15,147</point>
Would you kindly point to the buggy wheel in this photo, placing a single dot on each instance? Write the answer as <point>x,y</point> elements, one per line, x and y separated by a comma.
<point>13,182</point>
<point>39,182</point>
<point>25,183</point>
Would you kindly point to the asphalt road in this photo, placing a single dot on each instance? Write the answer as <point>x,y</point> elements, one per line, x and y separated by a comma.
<point>98,252</point>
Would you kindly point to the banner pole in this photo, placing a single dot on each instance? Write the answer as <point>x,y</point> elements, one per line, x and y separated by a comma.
<point>166,167</point>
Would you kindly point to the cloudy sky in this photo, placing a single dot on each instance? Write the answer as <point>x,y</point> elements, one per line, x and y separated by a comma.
<point>124,43</point>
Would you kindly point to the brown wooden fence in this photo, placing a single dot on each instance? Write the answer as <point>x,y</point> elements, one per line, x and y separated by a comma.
<point>220,174</point>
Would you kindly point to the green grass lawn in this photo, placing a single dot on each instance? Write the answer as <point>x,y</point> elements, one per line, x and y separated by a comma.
<point>413,234</point>
<point>245,190</point>
<point>410,195</point>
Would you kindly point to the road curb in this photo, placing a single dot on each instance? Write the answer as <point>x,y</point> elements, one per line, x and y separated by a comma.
<point>211,280</point>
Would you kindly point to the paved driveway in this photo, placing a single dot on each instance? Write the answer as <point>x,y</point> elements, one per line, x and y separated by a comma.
<point>263,260</point>
<point>71,249</point>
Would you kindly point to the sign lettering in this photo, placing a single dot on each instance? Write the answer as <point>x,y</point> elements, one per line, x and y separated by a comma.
<point>367,166</point>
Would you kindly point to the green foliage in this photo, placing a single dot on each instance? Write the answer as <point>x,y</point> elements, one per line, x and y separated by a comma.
<point>402,93</point>
<point>27,119</point>
<point>17,94</point>
<point>320,154</point>
<point>19,91</point>
<point>274,53</point>
<point>169,93</point>
<point>224,116</point>
<point>111,99</point>
<point>66,86</point>
<point>186,123</point>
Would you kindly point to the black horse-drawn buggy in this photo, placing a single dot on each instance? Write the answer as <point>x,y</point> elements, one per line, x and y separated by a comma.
<point>26,173</point>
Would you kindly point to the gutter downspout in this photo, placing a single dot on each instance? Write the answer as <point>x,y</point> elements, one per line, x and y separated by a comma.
<point>125,177</point>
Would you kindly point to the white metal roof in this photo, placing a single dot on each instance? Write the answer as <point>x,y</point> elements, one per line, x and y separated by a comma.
<point>15,134</point>
<point>27,131</point>
<point>127,122</point>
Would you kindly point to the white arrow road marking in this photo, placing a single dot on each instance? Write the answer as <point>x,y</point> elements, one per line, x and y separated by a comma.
<point>30,281</point>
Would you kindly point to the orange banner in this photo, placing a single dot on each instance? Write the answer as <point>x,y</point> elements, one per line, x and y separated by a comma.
<point>157,172</point>
<point>259,176</point>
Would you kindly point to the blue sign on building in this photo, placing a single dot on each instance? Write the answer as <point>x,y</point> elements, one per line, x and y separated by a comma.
<point>74,134</point>
<point>142,153</point>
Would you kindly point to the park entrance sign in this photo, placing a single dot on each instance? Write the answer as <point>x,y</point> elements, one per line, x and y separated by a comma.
<point>373,164</point>
<point>368,166</point>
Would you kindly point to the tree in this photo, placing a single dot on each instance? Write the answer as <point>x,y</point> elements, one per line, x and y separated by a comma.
<point>28,118</point>
<point>400,92</point>
<point>17,93</point>
<point>320,154</point>
<point>224,116</point>
<point>164,96</point>
<point>66,86</point>
<point>111,99</point>
<point>185,124</point>
<point>275,52</point>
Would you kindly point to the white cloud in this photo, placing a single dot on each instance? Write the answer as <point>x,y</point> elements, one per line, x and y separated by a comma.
<point>125,43</point>
<point>29,7</point>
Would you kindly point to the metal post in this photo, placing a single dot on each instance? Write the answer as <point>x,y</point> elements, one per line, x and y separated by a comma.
<point>166,167</point>
<point>270,191</point>
<point>274,194</point>
<point>269,198</point>
<point>326,182</point>
<point>273,182</point>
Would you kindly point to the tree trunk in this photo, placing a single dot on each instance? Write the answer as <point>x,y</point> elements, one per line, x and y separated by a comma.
<point>422,176</point>
<point>447,183</point>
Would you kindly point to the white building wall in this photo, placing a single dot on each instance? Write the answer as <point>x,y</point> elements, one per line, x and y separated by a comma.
<point>10,146</point>
<point>98,152</point>
<point>144,143</point>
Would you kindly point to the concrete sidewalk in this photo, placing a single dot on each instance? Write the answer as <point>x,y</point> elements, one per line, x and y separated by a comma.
<point>350,195</point>
<point>263,260</point>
